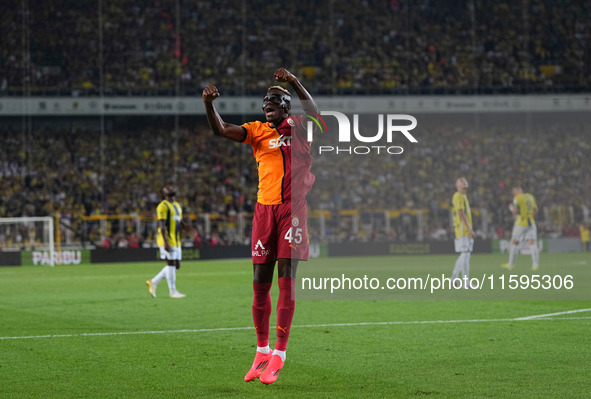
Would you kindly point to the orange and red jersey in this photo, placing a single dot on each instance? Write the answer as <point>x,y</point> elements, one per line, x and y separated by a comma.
<point>283,160</point>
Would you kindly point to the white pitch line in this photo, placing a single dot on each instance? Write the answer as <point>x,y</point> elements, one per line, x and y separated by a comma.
<point>377,323</point>
<point>129,333</point>
<point>540,316</point>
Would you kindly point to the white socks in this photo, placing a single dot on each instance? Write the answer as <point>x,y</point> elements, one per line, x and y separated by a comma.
<point>462,266</point>
<point>170,273</point>
<point>281,354</point>
<point>171,278</point>
<point>159,276</point>
<point>267,349</point>
<point>512,250</point>
<point>466,271</point>
<point>535,254</point>
<point>457,268</point>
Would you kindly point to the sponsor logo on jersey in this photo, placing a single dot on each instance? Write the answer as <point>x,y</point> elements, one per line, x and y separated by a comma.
<point>279,142</point>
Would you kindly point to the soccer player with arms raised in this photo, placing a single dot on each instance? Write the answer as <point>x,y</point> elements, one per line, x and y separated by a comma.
<point>279,233</point>
<point>525,207</point>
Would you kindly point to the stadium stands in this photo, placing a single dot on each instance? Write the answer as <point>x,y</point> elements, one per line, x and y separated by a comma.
<point>369,46</point>
<point>62,171</point>
<point>169,47</point>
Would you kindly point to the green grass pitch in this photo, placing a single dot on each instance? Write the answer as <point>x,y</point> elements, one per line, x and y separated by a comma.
<point>57,341</point>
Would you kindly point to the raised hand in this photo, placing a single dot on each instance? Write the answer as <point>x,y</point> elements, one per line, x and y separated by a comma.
<point>283,75</point>
<point>210,93</point>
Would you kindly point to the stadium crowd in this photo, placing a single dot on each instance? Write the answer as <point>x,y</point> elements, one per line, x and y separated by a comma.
<point>125,47</point>
<point>494,156</point>
<point>361,46</point>
<point>80,173</point>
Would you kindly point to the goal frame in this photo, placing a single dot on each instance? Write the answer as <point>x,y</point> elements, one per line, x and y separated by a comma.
<point>45,219</point>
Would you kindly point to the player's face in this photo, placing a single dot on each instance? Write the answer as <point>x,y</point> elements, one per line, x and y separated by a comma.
<point>168,192</point>
<point>462,185</point>
<point>272,106</point>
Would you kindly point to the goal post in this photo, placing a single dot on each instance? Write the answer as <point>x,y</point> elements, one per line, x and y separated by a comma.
<point>28,233</point>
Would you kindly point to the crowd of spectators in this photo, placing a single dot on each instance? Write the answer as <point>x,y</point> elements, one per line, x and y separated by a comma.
<point>548,157</point>
<point>78,173</point>
<point>85,173</point>
<point>124,47</point>
<point>363,46</point>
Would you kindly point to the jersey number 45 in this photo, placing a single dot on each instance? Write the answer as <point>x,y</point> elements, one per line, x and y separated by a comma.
<point>294,235</point>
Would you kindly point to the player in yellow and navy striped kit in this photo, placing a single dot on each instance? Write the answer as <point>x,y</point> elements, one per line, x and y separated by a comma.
<point>170,222</point>
<point>525,207</point>
<point>464,242</point>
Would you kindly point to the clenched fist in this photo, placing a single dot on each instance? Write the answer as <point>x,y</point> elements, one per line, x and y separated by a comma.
<point>210,93</point>
<point>283,75</point>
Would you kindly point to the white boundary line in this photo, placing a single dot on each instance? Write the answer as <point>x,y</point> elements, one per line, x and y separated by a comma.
<point>382,323</point>
<point>541,316</point>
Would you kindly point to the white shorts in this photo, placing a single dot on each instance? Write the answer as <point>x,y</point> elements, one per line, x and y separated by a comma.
<point>464,244</point>
<point>174,254</point>
<point>524,233</point>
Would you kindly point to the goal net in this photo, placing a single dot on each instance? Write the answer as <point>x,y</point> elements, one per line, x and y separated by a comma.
<point>29,234</point>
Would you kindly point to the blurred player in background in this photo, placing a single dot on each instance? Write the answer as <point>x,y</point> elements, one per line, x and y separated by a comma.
<point>464,242</point>
<point>170,222</point>
<point>525,207</point>
<point>584,230</point>
<point>279,232</point>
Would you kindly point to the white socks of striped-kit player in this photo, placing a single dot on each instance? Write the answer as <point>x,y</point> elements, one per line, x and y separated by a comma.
<point>462,266</point>
<point>535,254</point>
<point>168,272</point>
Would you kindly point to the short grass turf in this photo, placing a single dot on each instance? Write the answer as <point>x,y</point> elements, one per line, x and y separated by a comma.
<point>51,321</point>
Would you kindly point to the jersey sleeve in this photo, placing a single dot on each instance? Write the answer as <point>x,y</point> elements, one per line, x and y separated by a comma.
<point>533,202</point>
<point>161,211</point>
<point>251,129</point>
<point>518,201</point>
<point>457,202</point>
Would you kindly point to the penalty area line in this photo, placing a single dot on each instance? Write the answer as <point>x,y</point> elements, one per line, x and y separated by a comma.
<point>377,323</point>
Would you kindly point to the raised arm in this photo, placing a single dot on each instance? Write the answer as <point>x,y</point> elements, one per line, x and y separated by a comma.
<point>283,75</point>
<point>217,124</point>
